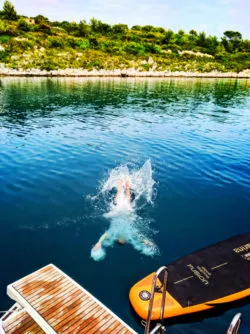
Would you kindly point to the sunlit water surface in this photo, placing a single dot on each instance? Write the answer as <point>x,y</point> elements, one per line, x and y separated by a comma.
<point>61,138</point>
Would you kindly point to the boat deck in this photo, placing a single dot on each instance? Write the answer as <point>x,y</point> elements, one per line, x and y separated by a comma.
<point>21,323</point>
<point>54,303</point>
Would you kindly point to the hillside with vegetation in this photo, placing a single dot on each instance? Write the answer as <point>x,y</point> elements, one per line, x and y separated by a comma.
<point>28,43</point>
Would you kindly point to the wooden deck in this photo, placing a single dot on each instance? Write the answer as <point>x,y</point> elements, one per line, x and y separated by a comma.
<point>21,323</point>
<point>57,304</point>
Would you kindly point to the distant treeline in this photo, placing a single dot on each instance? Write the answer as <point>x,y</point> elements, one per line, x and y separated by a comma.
<point>40,43</point>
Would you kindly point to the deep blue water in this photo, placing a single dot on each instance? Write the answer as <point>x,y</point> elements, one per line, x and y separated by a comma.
<point>60,138</point>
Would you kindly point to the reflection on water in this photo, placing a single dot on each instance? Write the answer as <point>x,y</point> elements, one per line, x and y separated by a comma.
<point>60,137</point>
<point>26,98</point>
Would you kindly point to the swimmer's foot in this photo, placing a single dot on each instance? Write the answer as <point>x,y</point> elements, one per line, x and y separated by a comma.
<point>97,246</point>
<point>120,183</point>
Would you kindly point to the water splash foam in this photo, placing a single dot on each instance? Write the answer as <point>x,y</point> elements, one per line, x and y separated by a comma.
<point>125,223</point>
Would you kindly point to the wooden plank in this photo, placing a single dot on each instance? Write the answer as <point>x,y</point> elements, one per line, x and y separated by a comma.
<point>8,323</point>
<point>49,297</point>
<point>70,307</point>
<point>58,323</point>
<point>116,329</point>
<point>44,287</point>
<point>82,318</point>
<point>95,324</point>
<point>60,305</point>
<point>39,283</point>
<point>37,294</point>
<point>102,326</point>
<point>41,272</point>
<point>48,300</point>
<point>21,323</point>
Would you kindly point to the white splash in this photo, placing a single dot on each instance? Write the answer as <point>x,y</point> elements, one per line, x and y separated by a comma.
<point>125,192</point>
<point>141,181</point>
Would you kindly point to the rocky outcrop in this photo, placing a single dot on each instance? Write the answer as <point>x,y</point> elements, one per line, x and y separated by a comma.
<point>71,72</point>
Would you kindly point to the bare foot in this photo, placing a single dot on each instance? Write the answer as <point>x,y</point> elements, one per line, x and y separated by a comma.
<point>97,246</point>
<point>120,184</point>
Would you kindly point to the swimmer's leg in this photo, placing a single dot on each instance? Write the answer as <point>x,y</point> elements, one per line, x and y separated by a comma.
<point>119,191</point>
<point>128,195</point>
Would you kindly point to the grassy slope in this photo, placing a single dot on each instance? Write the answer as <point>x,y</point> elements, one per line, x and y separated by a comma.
<point>47,45</point>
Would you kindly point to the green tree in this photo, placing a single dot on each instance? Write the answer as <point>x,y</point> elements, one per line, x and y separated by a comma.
<point>97,26</point>
<point>232,40</point>
<point>83,28</point>
<point>70,27</point>
<point>193,33</point>
<point>94,24</point>
<point>212,43</point>
<point>9,12</point>
<point>159,29</point>
<point>119,29</point>
<point>180,37</point>
<point>136,28</point>
<point>147,28</point>
<point>192,39</point>
<point>246,45</point>
<point>40,19</point>
<point>167,37</point>
<point>43,24</point>
<point>202,40</point>
<point>104,28</point>
<point>220,53</point>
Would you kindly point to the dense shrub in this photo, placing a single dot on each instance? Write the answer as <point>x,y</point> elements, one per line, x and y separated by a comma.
<point>135,49</point>
<point>3,27</point>
<point>4,39</point>
<point>56,42</point>
<point>152,48</point>
<point>93,42</point>
<point>83,44</point>
<point>4,56</point>
<point>7,28</point>
<point>23,25</point>
<point>45,28</point>
<point>119,29</point>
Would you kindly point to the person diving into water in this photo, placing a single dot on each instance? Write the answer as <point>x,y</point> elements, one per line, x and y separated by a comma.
<point>122,198</point>
<point>122,219</point>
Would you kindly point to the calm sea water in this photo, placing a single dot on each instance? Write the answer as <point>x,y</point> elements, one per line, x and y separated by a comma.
<point>59,140</point>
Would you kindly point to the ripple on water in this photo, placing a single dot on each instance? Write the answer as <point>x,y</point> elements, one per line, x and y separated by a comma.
<point>60,138</point>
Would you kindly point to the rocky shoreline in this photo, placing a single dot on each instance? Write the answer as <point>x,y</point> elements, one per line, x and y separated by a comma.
<point>71,72</point>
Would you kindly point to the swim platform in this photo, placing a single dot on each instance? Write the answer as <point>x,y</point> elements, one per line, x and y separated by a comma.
<point>49,301</point>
